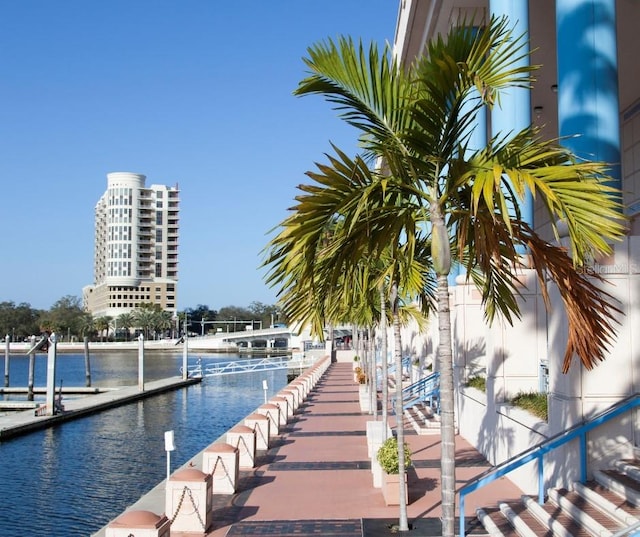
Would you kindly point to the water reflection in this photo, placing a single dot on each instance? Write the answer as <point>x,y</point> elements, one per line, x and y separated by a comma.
<point>73,479</point>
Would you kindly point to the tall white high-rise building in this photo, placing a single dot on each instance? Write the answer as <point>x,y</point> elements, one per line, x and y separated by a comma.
<point>136,247</point>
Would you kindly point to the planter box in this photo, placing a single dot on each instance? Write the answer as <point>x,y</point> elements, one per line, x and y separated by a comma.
<point>391,489</point>
<point>364,398</point>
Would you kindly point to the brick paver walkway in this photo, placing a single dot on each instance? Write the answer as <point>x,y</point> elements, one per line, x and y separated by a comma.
<point>316,477</point>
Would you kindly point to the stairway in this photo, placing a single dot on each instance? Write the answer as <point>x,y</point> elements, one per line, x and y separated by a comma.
<point>423,419</point>
<point>601,507</point>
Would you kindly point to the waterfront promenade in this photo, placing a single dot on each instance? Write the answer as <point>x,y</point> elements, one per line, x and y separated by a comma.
<point>316,479</point>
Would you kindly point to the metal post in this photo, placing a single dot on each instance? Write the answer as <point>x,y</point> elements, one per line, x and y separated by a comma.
<point>32,366</point>
<point>185,353</point>
<point>141,362</point>
<point>51,375</point>
<point>7,352</point>
<point>87,365</point>
<point>169,446</point>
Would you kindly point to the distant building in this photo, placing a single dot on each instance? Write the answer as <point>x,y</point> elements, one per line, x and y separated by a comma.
<point>135,247</point>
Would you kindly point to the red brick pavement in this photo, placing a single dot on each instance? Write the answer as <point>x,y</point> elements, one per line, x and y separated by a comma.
<point>316,476</point>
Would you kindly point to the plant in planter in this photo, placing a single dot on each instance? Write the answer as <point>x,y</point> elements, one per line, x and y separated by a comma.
<point>362,378</point>
<point>477,382</point>
<point>357,372</point>
<point>533,402</point>
<point>387,456</point>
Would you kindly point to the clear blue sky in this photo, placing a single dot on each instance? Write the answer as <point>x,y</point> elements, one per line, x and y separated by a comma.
<point>193,92</point>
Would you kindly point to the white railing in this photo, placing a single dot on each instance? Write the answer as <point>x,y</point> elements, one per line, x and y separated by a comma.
<point>214,369</point>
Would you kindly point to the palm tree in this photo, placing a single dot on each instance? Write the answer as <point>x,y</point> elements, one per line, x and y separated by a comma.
<point>164,321</point>
<point>417,123</point>
<point>87,325</point>
<point>325,276</point>
<point>102,325</point>
<point>126,322</point>
<point>144,318</point>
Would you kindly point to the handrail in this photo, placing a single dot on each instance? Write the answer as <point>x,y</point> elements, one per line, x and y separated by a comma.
<point>538,451</point>
<point>420,383</point>
<point>247,366</point>
<point>424,387</point>
<point>405,363</point>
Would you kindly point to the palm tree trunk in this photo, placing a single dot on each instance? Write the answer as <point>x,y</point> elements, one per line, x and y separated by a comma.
<point>447,414</point>
<point>373,375</point>
<point>403,523</point>
<point>383,353</point>
<point>441,256</point>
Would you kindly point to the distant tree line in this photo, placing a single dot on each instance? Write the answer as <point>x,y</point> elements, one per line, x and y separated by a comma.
<point>229,318</point>
<point>68,319</point>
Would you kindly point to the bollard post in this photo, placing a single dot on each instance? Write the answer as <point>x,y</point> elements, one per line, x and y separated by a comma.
<point>139,523</point>
<point>221,460</point>
<point>188,502</point>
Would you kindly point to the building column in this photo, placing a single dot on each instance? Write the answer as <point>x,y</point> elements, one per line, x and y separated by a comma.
<point>588,81</point>
<point>514,112</point>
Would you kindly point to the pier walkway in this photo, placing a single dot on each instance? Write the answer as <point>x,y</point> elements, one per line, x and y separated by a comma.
<point>316,479</point>
<point>16,423</point>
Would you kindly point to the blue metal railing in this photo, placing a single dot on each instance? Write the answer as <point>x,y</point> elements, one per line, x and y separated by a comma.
<point>537,453</point>
<point>427,388</point>
<point>406,361</point>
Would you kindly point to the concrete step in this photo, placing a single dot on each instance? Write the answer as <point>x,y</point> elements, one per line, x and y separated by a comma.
<point>609,502</point>
<point>620,483</point>
<point>496,524</point>
<point>585,513</point>
<point>423,420</point>
<point>599,508</point>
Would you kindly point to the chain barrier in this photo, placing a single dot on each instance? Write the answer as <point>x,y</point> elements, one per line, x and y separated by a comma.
<point>226,471</point>
<point>257,429</point>
<point>187,490</point>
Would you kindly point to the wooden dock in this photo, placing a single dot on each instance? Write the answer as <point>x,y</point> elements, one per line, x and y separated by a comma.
<point>16,423</point>
<point>79,390</point>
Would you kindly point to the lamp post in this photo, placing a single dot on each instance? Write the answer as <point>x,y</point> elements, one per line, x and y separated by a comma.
<point>169,446</point>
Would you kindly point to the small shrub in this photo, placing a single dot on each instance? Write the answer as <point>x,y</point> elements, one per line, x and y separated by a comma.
<point>356,358</point>
<point>533,402</point>
<point>479,383</point>
<point>388,455</point>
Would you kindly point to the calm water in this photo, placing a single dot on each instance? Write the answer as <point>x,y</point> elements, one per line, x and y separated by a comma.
<point>72,479</point>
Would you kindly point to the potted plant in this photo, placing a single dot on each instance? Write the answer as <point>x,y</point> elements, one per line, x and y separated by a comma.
<point>387,456</point>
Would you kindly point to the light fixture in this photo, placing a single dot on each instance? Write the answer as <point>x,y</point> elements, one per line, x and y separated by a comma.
<point>554,88</point>
<point>537,110</point>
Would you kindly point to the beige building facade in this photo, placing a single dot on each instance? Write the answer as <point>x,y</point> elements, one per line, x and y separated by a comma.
<point>587,93</point>
<point>135,247</point>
